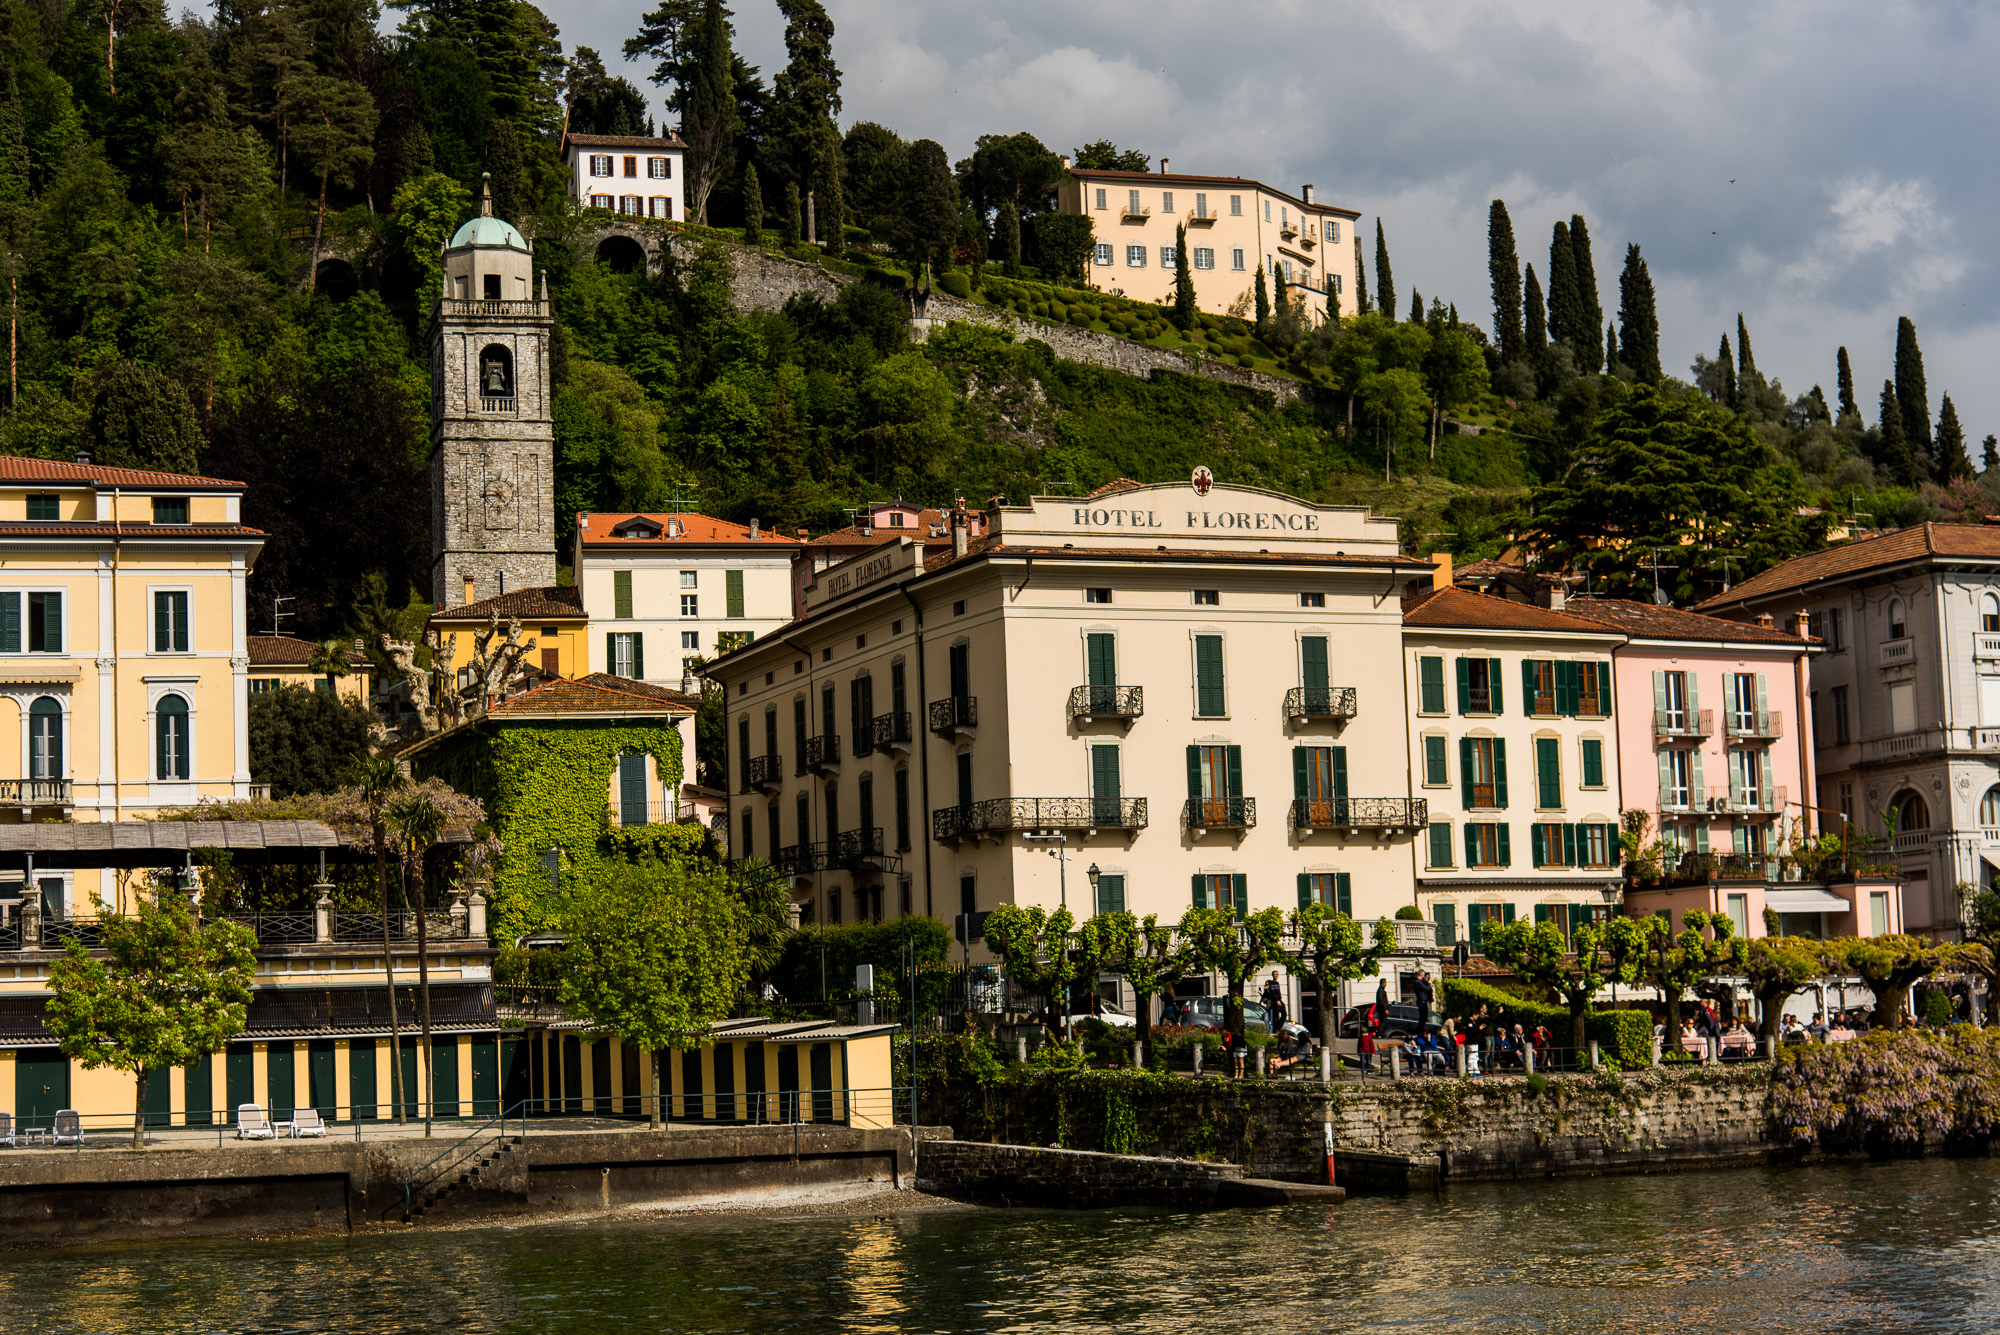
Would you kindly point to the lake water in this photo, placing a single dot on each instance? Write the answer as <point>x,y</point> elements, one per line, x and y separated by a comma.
<point>1878,1247</point>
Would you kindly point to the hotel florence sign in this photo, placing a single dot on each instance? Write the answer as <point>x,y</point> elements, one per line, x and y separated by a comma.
<point>1194,521</point>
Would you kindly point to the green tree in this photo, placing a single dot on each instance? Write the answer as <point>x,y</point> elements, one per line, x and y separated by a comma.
<point>671,33</point>
<point>1262,298</point>
<point>1589,309</point>
<point>657,954</point>
<point>1103,155</point>
<point>1217,942</point>
<point>1891,965</point>
<point>379,782</point>
<point>708,110</point>
<point>1185,309</point>
<point>1535,333</point>
<point>139,418</point>
<point>873,160</point>
<point>1147,954</point>
<point>1844,381</point>
<point>1639,320</point>
<point>1897,454</point>
<point>1010,239</point>
<point>1503,265</point>
<point>1953,463</point>
<point>753,208</point>
<point>1778,967</point>
<point>1385,280</point>
<point>1989,453</point>
<point>1044,953</point>
<point>794,219</point>
<point>505,172</point>
<point>333,128</point>
<point>1563,304</point>
<point>1061,245</point>
<point>416,820</point>
<point>1674,963</point>
<point>1602,954</point>
<point>927,225</point>
<point>1911,395</point>
<point>1334,949</point>
<point>1416,307</point>
<point>1454,374</point>
<point>170,991</point>
<point>1749,381</point>
<point>423,214</point>
<point>1011,167</point>
<point>1729,391</point>
<point>305,741</point>
<point>600,103</point>
<point>805,99</point>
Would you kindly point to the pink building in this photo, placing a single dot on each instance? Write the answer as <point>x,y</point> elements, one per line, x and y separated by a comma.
<point>1714,722</point>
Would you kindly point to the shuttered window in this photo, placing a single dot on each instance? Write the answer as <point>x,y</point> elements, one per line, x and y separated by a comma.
<point>45,623</point>
<point>1440,851</point>
<point>632,792</point>
<point>621,594</point>
<point>1110,893</point>
<point>1312,662</point>
<point>1430,682</point>
<point>902,788</point>
<point>732,586</point>
<point>170,738</point>
<point>1446,918</point>
<point>1101,653</point>
<point>1436,773</point>
<point>1210,700</point>
<point>1548,773</point>
<point>10,623</point>
<point>1593,763</point>
<point>170,623</point>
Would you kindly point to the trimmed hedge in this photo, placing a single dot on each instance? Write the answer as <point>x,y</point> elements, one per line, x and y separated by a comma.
<point>1625,1037</point>
<point>955,284</point>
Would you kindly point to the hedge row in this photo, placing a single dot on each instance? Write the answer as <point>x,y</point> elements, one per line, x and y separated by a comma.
<point>1625,1037</point>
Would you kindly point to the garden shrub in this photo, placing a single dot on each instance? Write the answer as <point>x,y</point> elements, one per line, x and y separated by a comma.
<point>957,285</point>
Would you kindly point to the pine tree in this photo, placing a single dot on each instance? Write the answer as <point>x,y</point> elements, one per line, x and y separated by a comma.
<point>1262,297</point>
<point>1503,265</point>
<point>1845,385</point>
<point>1729,387</point>
<point>1910,392</point>
<point>1953,464</point>
<point>753,208</point>
<point>1385,281</point>
<point>1185,309</point>
<point>1589,310</point>
<point>793,223</point>
<point>1562,293</point>
<point>708,115</point>
<point>1416,307</point>
<point>1536,335</point>
<point>1010,239</point>
<point>1639,331</point>
<point>1898,461</point>
<point>1989,457</point>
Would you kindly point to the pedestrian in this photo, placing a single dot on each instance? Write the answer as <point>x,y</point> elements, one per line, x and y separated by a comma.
<point>1240,1050</point>
<point>1426,994</point>
<point>1367,1049</point>
<point>1274,1002</point>
<point>1382,1001</point>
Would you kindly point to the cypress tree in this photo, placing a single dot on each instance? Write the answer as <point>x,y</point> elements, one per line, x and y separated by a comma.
<point>1562,293</point>
<point>1844,383</point>
<point>1639,334</point>
<point>832,199</point>
<point>1184,304</point>
<point>1536,334</point>
<point>1589,310</point>
<point>753,208</point>
<point>1896,457</point>
<point>1279,301</point>
<point>1728,387</point>
<point>1010,239</point>
<point>1611,347</point>
<point>1262,297</point>
<point>1503,265</point>
<point>1361,303</point>
<point>1451,316</point>
<point>1820,412</point>
<point>1953,464</point>
<point>1911,395</point>
<point>1416,307</point>
<point>1385,281</point>
<point>1990,455</point>
<point>792,226</point>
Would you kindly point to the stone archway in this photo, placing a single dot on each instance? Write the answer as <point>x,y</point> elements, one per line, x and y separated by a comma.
<point>336,279</point>
<point>621,253</point>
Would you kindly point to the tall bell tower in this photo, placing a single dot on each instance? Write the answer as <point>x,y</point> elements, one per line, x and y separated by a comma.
<point>492,445</point>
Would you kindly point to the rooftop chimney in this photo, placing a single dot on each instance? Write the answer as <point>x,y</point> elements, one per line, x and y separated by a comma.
<point>1766,620</point>
<point>802,535</point>
<point>753,528</point>
<point>1065,162</point>
<point>1163,165</point>
<point>1803,625</point>
<point>1440,570</point>
<point>83,454</point>
<point>1555,596</point>
<point>958,532</point>
<point>1306,192</point>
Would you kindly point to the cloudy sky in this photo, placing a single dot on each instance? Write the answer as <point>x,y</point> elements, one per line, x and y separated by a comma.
<point>1821,166</point>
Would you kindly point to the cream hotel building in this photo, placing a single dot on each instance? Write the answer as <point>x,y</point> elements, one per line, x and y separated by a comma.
<point>1199,691</point>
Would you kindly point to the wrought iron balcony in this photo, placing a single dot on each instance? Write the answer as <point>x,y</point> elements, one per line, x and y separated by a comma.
<point>1361,813</point>
<point>1304,702</point>
<point>1683,724</point>
<point>1768,726</point>
<point>1219,813</point>
<point>954,713</point>
<point>764,773</point>
<point>35,792</point>
<point>823,753</point>
<point>794,860</point>
<point>1093,702</point>
<point>890,732</point>
<point>855,850</point>
<point>1002,815</point>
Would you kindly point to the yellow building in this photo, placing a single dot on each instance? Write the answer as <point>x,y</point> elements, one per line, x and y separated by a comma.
<point>123,664</point>
<point>552,617</point>
<point>286,660</point>
<point>1233,226</point>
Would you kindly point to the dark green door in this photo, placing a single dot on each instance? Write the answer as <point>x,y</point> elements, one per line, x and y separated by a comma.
<point>961,671</point>
<point>159,1096</point>
<point>413,1093</point>
<point>1101,655</point>
<point>572,1074</point>
<point>516,1078</point>
<point>320,1091</point>
<point>631,1075</point>
<point>198,1091</point>
<point>1105,788</point>
<point>281,1082</point>
<point>239,1078</point>
<point>788,1082</point>
<point>485,1077</point>
<point>822,1082</point>
<point>361,1094</point>
<point>444,1074</point>
<point>632,788</point>
<point>41,1088</point>
<point>600,1077</point>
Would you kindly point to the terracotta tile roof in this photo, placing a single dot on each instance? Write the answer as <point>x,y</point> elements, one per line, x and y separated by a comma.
<point>625,141</point>
<point>853,535</point>
<point>1462,609</point>
<point>545,604</point>
<point>1924,542</point>
<point>598,527</point>
<point>1487,570</point>
<point>992,545</point>
<point>92,528</point>
<point>565,696</point>
<point>1672,623</point>
<point>1114,486</point>
<point>16,468</point>
<point>290,651</point>
<point>631,686</point>
<point>1106,174</point>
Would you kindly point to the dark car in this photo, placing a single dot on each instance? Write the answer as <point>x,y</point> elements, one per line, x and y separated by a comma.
<point>1402,1021</point>
<point>1209,1013</point>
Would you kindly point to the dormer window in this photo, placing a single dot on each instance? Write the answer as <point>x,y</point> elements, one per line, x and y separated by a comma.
<point>896,520</point>
<point>43,506</point>
<point>170,509</point>
<point>636,529</point>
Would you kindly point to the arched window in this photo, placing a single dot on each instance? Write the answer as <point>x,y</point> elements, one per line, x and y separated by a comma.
<point>45,740</point>
<point>171,738</point>
<point>1989,807</point>
<point>496,372</point>
<point>1989,614</point>
<point>1898,627</point>
<point>1912,813</point>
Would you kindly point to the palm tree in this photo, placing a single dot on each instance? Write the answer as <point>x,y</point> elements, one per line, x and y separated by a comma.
<point>329,660</point>
<point>417,820</point>
<point>381,777</point>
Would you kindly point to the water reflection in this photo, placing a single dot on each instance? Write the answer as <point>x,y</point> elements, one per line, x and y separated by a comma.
<point>1912,1246</point>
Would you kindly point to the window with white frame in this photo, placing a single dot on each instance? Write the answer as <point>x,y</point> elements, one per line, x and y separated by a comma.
<point>45,739</point>
<point>1204,257</point>
<point>1100,199</point>
<point>1333,231</point>
<point>625,651</point>
<point>660,169</point>
<point>1236,259</point>
<point>1169,257</point>
<point>600,164</point>
<point>31,622</point>
<point>600,201</point>
<point>690,639</point>
<point>660,206</point>
<point>1166,201</point>
<point>1236,206</point>
<point>1102,255</point>
<point>1267,210</point>
<point>690,605</point>
<point>1135,257</point>
<point>1333,284</point>
<point>1200,205</point>
<point>689,578</point>
<point>1132,201</point>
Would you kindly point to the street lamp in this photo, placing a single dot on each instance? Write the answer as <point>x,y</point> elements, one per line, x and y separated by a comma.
<point>1093,874</point>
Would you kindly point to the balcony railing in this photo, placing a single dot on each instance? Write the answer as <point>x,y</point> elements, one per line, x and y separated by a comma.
<point>1758,802</point>
<point>794,860</point>
<point>890,732</point>
<point>1003,815</point>
<point>764,773</point>
<point>1219,813</point>
<point>280,928</point>
<point>954,713</point>
<point>1479,700</point>
<point>496,405</point>
<point>1143,212</point>
<point>1360,813</point>
<point>1678,799</point>
<point>1895,653</point>
<point>35,792</point>
<point>501,308</point>
<point>1985,644</point>
<point>624,814</point>
<point>822,753</point>
<point>1912,841</point>
<point>855,850</point>
<point>1767,726</point>
<point>1302,702</point>
<point>1202,217</point>
<point>1702,868</point>
<point>1685,724</point>
<point>1089,702</point>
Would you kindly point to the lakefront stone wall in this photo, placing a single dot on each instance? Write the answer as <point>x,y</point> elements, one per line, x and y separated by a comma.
<point>1027,1175</point>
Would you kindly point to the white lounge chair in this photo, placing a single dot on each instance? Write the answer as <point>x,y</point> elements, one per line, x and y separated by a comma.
<point>69,1127</point>
<point>308,1122</point>
<point>6,1128</point>
<point>252,1123</point>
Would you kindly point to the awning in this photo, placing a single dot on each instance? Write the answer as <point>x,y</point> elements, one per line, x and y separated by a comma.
<point>1806,901</point>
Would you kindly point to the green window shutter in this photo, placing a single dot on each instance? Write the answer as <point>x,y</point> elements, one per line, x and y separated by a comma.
<point>10,623</point>
<point>1301,759</point>
<point>632,789</point>
<point>1446,918</point>
<point>1340,773</point>
<point>1305,890</point>
<point>1440,844</point>
<point>1543,913</point>
<point>1506,910</point>
<point>1695,781</point>
<point>1735,780</point>
<point>1235,771</point>
<point>1569,687</point>
<point>1539,844</point>
<point>1500,771</point>
<point>163,622</point>
<point>611,653</point>
<point>1579,914</point>
<point>1528,686</point>
<point>1101,655</point>
<point>621,594</point>
<point>1464,686</point>
<point>1569,845</point>
<point>52,624</point>
<point>1430,680</point>
<point>1465,770</point>
<point>1493,676</point>
<point>1434,761</point>
<point>1312,662</point>
<point>1666,773</point>
<point>961,671</point>
<point>638,655</point>
<point>1194,773</point>
<point>1770,793</point>
<point>1506,852</point>
<point>732,585</point>
<point>1548,773</point>
<point>1593,763</point>
<point>1210,699</point>
<point>1471,845</point>
<point>1343,893</point>
<point>1659,695</point>
<point>1740,840</point>
<point>1111,894</point>
<point>1475,921</point>
<point>1240,883</point>
<point>1104,773</point>
<point>1200,891</point>
<point>1604,688</point>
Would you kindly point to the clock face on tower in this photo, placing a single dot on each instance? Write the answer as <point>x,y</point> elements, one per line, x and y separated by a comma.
<point>501,498</point>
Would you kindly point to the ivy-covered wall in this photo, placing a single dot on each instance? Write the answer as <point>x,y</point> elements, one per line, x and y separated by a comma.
<point>546,785</point>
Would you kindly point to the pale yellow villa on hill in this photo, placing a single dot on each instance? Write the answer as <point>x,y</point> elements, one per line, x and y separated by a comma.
<point>122,616</point>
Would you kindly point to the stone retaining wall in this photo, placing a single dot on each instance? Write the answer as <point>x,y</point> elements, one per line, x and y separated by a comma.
<point>1081,1179</point>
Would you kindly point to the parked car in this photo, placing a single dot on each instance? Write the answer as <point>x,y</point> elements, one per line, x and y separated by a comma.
<point>1106,1015</point>
<point>1401,1022</point>
<point>1212,1012</point>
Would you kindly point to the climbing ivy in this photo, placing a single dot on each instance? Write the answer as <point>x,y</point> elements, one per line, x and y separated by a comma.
<point>548,785</point>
